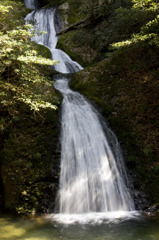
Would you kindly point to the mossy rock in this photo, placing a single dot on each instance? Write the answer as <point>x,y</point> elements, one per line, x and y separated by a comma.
<point>43,51</point>
<point>69,11</point>
<point>27,159</point>
<point>73,44</point>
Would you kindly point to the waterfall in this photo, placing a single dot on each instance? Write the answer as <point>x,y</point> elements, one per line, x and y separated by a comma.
<point>32,4</point>
<point>90,180</point>
<point>46,21</point>
<point>44,26</point>
<point>93,176</point>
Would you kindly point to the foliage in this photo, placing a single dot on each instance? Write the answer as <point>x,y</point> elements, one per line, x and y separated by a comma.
<point>121,21</point>
<point>8,10</point>
<point>19,60</point>
<point>91,8</point>
<point>146,4</point>
<point>149,32</point>
<point>28,120</point>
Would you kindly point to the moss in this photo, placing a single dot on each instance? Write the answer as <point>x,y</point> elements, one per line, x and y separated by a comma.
<point>27,158</point>
<point>70,12</point>
<point>71,43</point>
<point>43,51</point>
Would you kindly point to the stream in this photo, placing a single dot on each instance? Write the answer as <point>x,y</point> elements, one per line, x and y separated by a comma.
<point>140,228</point>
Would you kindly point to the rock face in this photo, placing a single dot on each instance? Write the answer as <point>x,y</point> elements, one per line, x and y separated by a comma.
<point>85,55</point>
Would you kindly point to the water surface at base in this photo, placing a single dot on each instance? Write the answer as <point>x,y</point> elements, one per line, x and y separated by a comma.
<point>143,228</point>
<point>94,218</point>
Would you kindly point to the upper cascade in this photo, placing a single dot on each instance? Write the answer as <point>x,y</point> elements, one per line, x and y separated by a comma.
<point>47,23</point>
<point>32,4</point>
<point>44,26</point>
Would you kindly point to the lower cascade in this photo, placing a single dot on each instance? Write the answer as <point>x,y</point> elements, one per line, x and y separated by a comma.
<point>93,178</point>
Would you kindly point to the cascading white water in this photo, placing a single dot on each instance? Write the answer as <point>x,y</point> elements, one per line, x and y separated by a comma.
<point>44,26</point>
<point>90,180</point>
<point>66,64</point>
<point>30,4</point>
<point>44,20</point>
<point>93,176</point>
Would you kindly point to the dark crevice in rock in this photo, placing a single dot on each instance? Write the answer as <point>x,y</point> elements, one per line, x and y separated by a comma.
<point>1,195</point>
